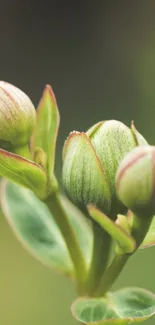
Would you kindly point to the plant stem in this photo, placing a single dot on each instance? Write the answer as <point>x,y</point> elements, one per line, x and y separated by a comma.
<point>111,274</point>
<point>55,206</point>
<point>100,256</point>
<point>140,228</point>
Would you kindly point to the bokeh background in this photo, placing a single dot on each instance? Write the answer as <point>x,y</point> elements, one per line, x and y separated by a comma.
<point>99,56</point>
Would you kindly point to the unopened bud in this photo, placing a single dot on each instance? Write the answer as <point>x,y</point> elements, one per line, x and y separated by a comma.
<point>17,117</point>
<point>91,160</point>
<point>135,181</point>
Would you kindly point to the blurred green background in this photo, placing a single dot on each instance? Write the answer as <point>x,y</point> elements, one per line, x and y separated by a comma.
<point>99,56</point>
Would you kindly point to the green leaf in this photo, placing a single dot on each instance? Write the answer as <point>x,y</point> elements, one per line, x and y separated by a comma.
<point>37,230</point>
<point>149,239</point>
<point>125,241</point>
<point>83,174</point>
<point>23,172</point>
<point>46,130</point>
<point>126,306</point>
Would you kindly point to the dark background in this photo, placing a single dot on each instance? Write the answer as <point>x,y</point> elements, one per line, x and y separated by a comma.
<point>99,57</point>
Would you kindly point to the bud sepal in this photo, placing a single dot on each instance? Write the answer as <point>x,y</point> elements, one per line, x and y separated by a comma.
<point>79,155</point>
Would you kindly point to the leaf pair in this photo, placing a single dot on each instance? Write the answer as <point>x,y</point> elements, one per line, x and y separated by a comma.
<point>36,229</point>
<point>126,306</point>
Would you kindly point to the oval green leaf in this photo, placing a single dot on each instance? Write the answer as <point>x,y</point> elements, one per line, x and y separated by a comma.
<point>34,226</point>
<point>36,229</point>
<point>126,306</point>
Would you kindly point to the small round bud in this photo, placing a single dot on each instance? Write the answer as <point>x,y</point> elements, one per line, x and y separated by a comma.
<point>135,181</point>
<point>17,117</point>
<point>91,160</point>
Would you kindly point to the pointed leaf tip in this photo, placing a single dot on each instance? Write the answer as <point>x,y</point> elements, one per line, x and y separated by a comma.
<point>48,89</point>
<point>67,141</point>
<point>46,130</point>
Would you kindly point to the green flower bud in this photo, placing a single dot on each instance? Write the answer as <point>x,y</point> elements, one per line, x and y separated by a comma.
<point>17,117</point>
<point>135,181</point>
<point>91,160</point>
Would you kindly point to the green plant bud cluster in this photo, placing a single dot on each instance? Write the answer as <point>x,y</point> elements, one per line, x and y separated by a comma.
<point>90,162</point>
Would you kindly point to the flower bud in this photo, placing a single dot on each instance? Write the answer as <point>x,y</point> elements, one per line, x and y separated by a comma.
<point>91,160</point>
<point>135,181</point>
<point>17,117</point>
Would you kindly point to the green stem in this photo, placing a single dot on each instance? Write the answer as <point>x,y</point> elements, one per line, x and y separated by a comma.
<point>100,257</point>
<point>140,228</point>
<point>111,274</point>
<point>54,204</point>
